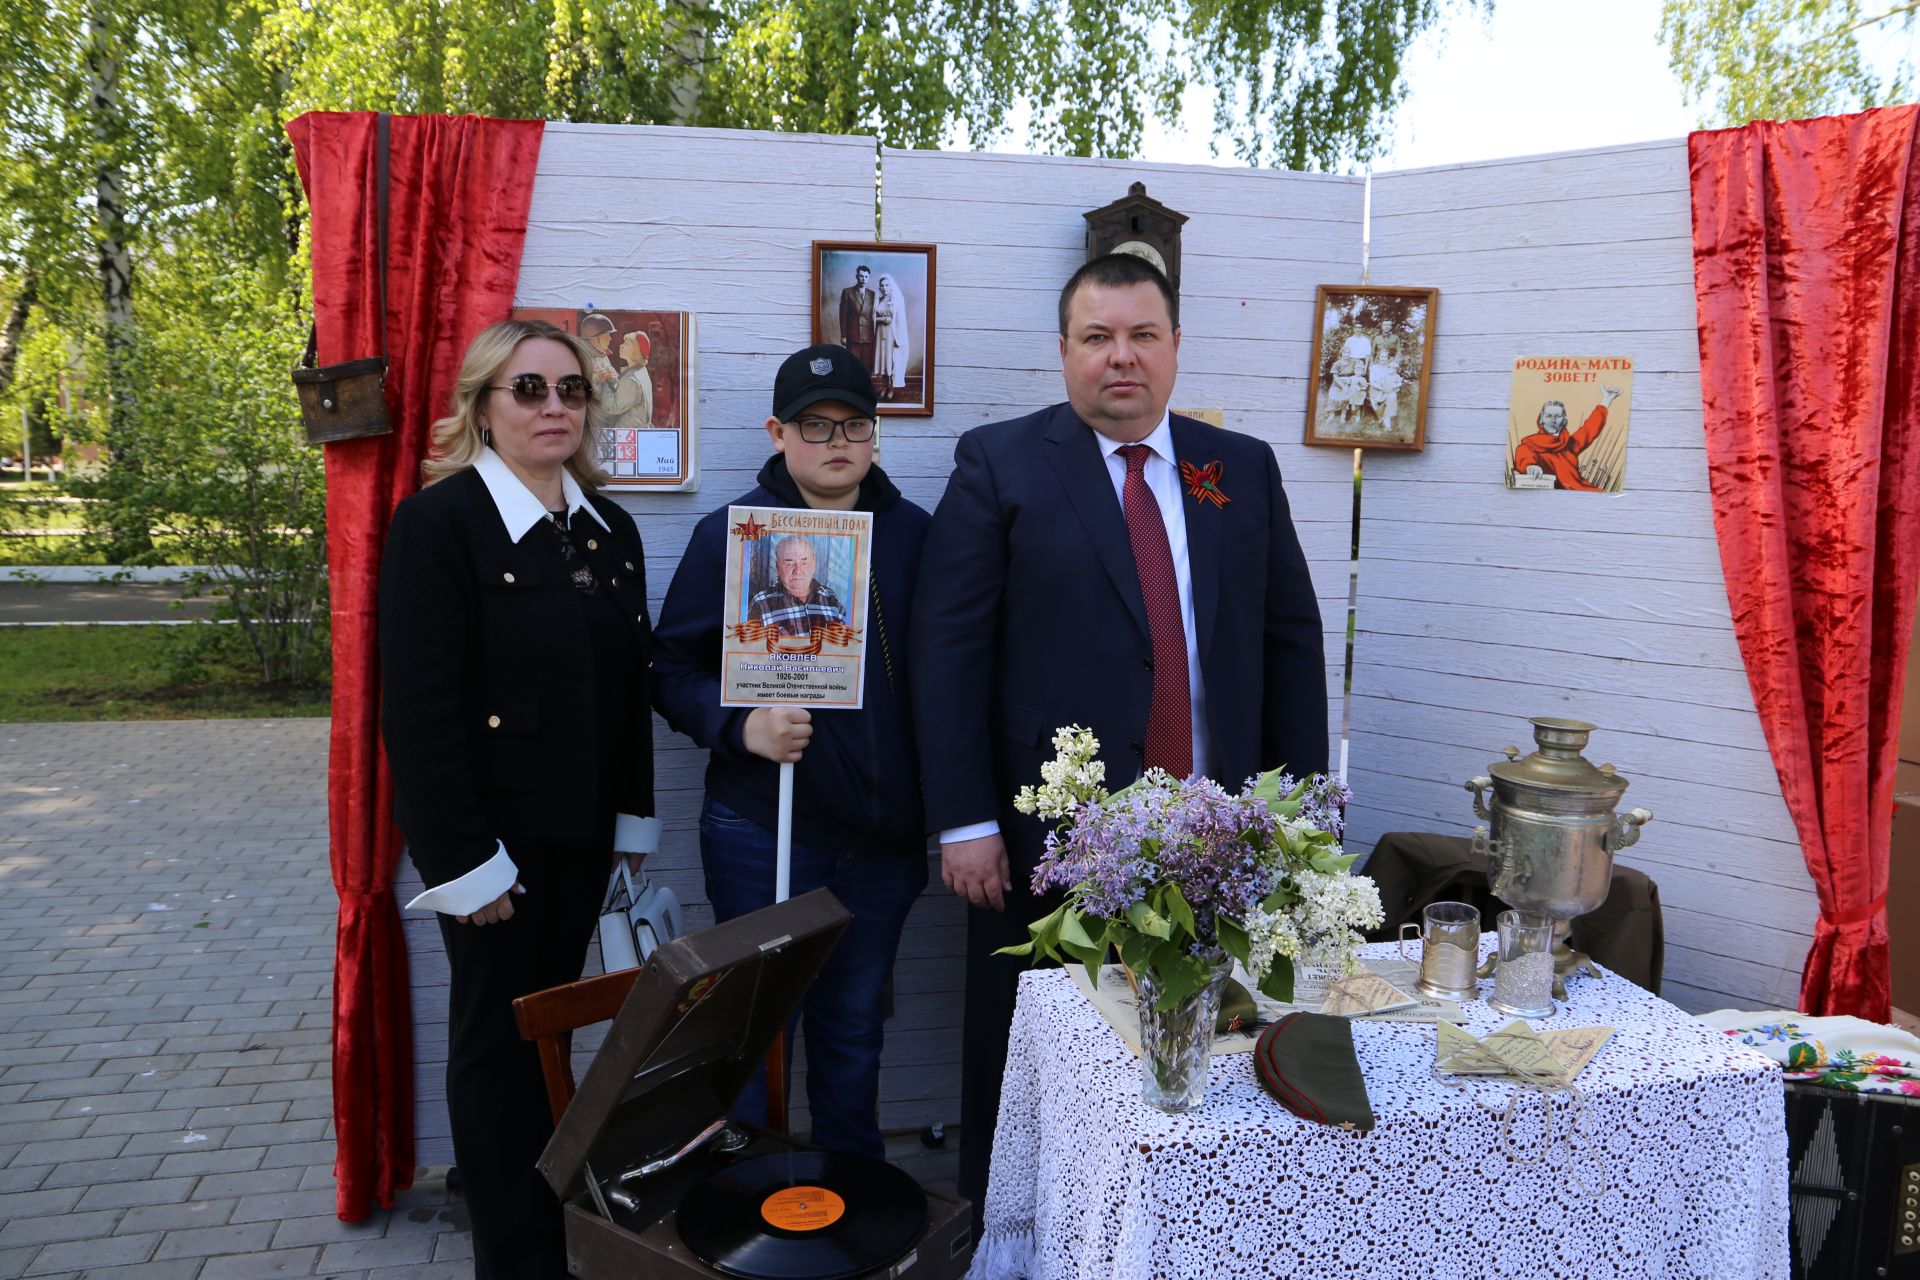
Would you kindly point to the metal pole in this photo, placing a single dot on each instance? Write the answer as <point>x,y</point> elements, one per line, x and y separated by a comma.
<point>26,445</point>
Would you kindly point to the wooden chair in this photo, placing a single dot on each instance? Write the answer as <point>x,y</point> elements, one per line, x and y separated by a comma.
<point>546,1017</point>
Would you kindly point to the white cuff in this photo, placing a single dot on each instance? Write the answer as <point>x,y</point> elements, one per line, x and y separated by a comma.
<point>468,893</point>
<point>635,835</point>
<point>954,835</point>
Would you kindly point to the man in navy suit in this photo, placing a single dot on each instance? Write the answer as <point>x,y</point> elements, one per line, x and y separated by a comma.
<point>1098,563</point>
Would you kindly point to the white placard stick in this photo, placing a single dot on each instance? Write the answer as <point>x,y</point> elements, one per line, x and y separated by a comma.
<point>783,838</point>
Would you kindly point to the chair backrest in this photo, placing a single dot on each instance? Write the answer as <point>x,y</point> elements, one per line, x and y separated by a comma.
<point>549,1017</point>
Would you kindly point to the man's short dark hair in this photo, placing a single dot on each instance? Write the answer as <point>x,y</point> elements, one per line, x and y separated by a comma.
<point>863,267</point>
<point>1117,271</point>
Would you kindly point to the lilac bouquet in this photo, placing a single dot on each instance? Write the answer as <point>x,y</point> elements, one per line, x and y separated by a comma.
<point>1176,876</point>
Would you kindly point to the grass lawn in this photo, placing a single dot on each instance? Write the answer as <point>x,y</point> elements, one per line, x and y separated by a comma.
<point>132,673</point>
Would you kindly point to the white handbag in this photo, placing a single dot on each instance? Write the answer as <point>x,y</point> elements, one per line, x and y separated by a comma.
<point>636,918</point>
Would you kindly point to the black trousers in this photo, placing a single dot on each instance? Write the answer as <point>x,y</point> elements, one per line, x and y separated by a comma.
<point>495,1094</point>
<point>992,984</point>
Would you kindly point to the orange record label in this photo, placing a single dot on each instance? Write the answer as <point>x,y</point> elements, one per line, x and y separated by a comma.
<point>802,1208</point>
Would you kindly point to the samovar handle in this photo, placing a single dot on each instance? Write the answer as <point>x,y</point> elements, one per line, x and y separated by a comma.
<point>1479,787</point>
<point>1626,828</point>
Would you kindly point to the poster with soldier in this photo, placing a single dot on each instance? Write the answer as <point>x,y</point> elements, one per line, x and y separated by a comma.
<point>1567,423</point>
<point>644,391</point>
<point>794,621</point>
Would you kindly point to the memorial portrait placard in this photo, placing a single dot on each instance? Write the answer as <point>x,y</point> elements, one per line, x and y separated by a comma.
<point>1567,423</point>
<point>645,388</point>
<point>794,623</point>
<point>1372,362</point>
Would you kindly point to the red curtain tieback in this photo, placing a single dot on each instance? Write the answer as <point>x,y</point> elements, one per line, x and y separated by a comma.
<point>1865,915</point>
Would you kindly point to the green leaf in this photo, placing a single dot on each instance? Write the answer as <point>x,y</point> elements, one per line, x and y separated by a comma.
<point>1233,938</point>
<point>1179,978</point>
<point>1073,931</point>
<point>1278,984</point>
<point>1801,1056</point>
<point>1175,905</point>
<point>1091,957</point>
<point>1137,950</point>
<point>1148,921</point>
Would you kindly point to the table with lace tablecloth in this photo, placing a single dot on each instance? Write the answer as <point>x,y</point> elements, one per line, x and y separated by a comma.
<point>1681,1170</point>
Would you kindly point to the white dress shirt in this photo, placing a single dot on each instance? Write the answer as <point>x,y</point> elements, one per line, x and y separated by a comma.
<point>519,512</point>
<point>1162,475</point>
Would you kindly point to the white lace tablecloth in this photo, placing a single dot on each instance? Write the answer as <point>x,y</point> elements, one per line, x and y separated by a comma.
<point>1686,1149</point>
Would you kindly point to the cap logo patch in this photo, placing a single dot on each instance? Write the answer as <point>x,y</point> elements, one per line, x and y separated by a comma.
<point>821,366</point>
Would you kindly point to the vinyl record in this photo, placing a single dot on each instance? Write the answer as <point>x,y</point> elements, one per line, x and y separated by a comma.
<point>803,1215</point>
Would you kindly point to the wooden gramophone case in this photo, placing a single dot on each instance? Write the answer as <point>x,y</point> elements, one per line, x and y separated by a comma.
<point>701,1016</point>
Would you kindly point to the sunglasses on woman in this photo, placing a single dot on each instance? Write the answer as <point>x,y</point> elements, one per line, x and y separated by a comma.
<point>530,390</point>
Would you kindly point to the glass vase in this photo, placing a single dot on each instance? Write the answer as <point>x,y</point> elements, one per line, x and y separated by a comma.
<point>1176,1044</point>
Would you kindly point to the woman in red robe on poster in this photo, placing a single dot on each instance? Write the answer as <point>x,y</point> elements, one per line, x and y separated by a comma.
<point>1553,449</point>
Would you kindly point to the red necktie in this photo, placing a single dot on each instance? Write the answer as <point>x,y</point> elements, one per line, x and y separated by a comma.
<point>1170,716</point>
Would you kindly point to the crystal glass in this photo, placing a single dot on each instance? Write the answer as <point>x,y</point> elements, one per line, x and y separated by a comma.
<point>1177,1044</point>
<point>1523,984</point>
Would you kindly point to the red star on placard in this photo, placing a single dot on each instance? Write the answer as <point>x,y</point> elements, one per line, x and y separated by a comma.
<point>750,530</point>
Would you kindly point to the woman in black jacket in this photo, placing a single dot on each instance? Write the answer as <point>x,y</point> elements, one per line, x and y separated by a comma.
<point>514,645</point>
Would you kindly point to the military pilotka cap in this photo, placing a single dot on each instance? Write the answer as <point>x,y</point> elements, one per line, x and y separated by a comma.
<point>821,372</point>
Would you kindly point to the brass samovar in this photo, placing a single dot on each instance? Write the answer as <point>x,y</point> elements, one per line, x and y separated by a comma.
<point>1554,832</point>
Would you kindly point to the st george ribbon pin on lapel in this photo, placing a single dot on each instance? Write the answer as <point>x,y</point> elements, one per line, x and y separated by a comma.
<point>1204,482</point>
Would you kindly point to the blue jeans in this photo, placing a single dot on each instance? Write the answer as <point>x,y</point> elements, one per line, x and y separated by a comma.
<point>842,1013</point>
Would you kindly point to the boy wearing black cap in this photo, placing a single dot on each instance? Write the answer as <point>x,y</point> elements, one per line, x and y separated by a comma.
<point>857,819</point>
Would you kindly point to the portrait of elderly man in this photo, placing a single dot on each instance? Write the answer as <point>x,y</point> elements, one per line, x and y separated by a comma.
<point>799,600</point>
<point>1553,449</point>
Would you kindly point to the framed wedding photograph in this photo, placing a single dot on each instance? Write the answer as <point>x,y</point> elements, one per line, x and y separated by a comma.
<point>1372,360</point>
<point>876,300</point>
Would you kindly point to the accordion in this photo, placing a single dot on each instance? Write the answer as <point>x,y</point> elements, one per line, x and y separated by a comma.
<point>1854,1186</point>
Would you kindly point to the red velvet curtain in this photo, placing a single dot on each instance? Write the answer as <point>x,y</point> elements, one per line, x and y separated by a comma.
<point>459,193</point>
<point>1806,244</point>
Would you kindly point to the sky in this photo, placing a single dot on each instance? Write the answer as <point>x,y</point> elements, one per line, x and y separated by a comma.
<point>1476,89</point>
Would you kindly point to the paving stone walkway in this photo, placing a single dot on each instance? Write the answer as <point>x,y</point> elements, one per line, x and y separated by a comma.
<point>166,958</point>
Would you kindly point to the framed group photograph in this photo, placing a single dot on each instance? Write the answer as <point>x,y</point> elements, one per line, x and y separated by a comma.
<point>876,300</point>
<point>644,387</point>
<point>1372,360</point>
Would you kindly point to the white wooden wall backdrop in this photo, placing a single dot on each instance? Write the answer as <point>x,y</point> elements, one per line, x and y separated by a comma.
<point>1479,607</point>
<point>1458,638</point>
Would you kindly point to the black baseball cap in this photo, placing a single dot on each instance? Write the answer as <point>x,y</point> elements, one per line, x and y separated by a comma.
<point>821,372</point>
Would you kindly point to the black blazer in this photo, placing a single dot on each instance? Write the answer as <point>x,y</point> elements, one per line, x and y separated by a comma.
<point>489,711</point>
<point>1029,616</point>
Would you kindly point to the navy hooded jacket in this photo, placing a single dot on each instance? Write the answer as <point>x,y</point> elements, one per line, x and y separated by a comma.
<point>856,790</point>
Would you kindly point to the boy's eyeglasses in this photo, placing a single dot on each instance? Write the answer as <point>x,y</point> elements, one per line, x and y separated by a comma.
<point>820,430</point>
<point>530,390</point>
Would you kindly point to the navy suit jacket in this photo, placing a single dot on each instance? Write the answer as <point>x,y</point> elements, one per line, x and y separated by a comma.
<point>1028,616</point>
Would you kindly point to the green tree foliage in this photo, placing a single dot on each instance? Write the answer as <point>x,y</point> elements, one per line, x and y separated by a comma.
<point>225,474</point>
<point>152,256</point>
<point>1745,60</point>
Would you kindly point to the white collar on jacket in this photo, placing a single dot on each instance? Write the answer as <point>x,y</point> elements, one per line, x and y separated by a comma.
<point>519,509</point>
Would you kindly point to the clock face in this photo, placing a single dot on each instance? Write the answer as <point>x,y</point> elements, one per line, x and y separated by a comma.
<point>1141,249</point>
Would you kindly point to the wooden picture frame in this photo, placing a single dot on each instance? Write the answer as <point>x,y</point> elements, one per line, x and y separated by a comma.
<point>895,341</point>
<point>1372,345</point>
<point>647,437</point>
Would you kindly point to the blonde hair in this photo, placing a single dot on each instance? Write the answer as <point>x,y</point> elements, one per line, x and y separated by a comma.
<point>457,439</point>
